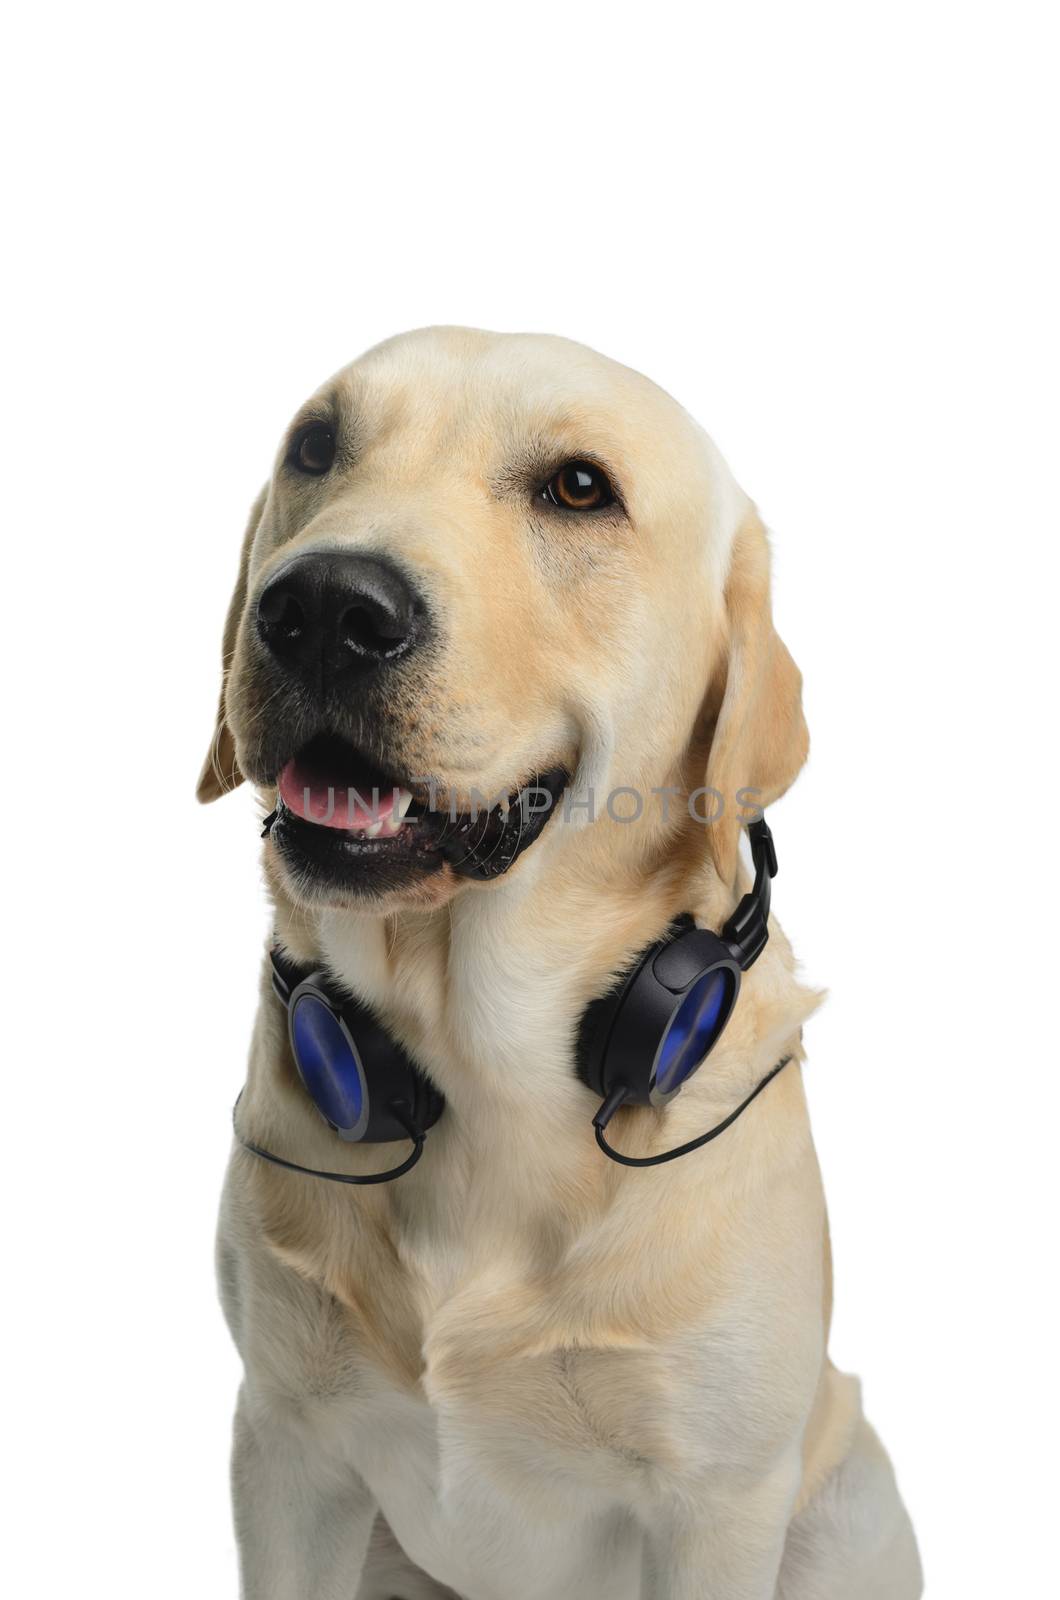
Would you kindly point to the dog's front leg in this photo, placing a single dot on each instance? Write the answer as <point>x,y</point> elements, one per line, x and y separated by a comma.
<point>724,1541</point>
<point>303,1519</point>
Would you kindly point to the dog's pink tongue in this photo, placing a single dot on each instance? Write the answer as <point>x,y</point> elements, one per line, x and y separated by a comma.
<point>332,805</point>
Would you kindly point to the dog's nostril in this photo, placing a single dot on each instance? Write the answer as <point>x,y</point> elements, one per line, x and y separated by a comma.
<point>282,615</point>
<point>373,630</point>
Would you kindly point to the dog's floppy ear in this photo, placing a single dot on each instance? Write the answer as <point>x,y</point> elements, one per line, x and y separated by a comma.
<point>759,740</point>
<point>220,771</point>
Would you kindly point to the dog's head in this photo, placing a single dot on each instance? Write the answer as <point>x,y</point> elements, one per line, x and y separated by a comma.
<point>488,570</point>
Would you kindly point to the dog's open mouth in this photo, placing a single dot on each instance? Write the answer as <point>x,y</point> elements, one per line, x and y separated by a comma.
<point>342,822</point>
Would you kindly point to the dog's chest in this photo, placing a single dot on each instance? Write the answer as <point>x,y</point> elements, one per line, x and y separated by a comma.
<point>515,1472</point>
<point>521,1465</point>
<point>516,1422</point>
<point>522,1458</point>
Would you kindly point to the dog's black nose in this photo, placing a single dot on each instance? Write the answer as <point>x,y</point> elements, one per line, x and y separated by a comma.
<point>334,615</point>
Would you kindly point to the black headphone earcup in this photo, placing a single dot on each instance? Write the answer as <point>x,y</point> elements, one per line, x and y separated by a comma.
<point>429,1102</point>
<point>621,1034</point>
<point>390,1078</point>
<point>605,1028</point>
<point>594,1030</point>
<point>369,1074</point>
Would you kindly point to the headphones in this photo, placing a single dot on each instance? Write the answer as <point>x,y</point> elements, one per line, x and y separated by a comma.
<point>637,1045</point>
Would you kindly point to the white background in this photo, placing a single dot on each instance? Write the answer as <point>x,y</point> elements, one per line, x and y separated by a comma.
<point>830,231</point>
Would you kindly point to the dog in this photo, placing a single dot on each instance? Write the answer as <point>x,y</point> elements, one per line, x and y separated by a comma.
<point>486,565</point>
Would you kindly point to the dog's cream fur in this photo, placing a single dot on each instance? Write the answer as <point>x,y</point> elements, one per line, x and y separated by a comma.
<point>521,1372</point>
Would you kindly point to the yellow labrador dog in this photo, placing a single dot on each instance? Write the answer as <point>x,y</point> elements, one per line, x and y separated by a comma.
<point>485,564</point>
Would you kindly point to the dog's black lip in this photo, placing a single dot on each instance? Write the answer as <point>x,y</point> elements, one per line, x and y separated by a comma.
<point>485,847</point>
<point>334,860</point>
<point>481,846</point>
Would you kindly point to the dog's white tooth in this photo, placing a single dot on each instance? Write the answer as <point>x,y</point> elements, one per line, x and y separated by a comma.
<point>375,829</point>
<point>402,801</point>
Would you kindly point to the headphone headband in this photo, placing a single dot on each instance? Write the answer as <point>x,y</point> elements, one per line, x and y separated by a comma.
<point>748,928</point>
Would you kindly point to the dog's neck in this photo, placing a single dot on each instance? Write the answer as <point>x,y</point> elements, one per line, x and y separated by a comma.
<point>486,991</point>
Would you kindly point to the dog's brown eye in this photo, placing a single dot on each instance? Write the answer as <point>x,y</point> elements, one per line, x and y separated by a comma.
<point>579,486</point>
<point>314,449</point>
